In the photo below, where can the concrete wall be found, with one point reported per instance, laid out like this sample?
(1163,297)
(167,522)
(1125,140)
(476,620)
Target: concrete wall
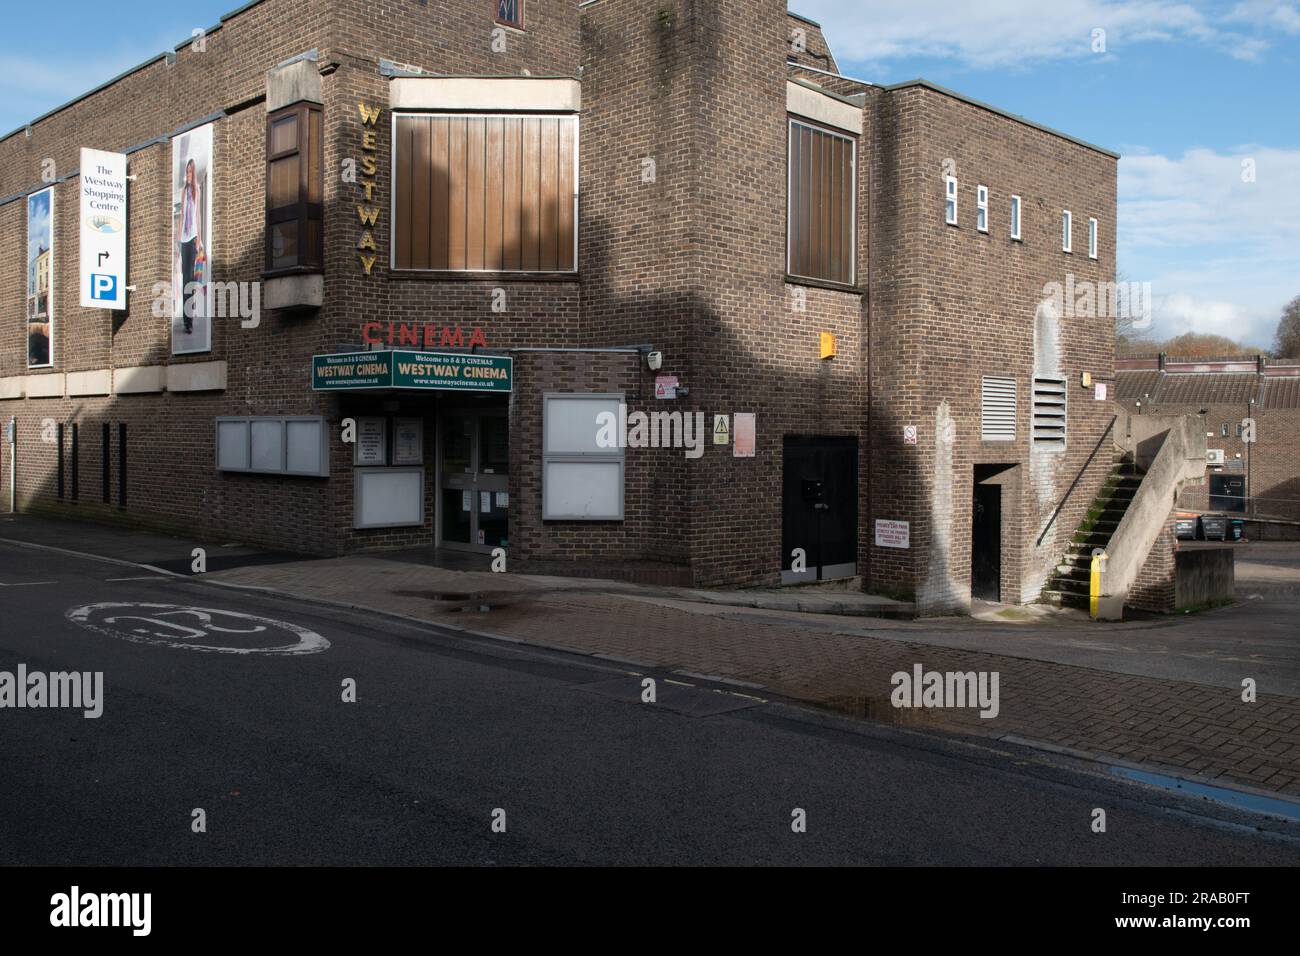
(1179,460)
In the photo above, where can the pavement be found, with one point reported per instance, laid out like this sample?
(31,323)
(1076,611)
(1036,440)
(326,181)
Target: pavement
(1164,693)
(218,747)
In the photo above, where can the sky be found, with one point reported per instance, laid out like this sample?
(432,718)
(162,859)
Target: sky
(1186,92)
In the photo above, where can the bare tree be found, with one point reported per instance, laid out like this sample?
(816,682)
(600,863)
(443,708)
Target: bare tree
(1286,341)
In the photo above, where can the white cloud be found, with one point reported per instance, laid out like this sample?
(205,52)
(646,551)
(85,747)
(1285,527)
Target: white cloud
(1001,33)
(1222,254)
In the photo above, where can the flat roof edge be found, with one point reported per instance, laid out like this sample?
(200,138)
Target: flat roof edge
(907,84)
(128,72)
(807,20)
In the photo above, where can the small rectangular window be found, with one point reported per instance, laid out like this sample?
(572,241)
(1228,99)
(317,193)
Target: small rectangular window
(511,13)
(982,208)
(950,205)
(1092,238)
(1224,431)
(1049,411)
(1015,217)
(1067,224)
(582,475)
(998,409)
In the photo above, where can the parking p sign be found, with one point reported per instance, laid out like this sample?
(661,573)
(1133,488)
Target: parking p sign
(103,230)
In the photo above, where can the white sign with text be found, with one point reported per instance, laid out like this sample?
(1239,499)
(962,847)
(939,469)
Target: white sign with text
(103,229)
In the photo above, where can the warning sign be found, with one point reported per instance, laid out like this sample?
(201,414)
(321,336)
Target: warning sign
(893,534)
(721,429)
(665,386)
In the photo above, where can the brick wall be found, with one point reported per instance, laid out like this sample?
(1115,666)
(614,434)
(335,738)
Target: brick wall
(950,305)
(690,261)
(1154,589)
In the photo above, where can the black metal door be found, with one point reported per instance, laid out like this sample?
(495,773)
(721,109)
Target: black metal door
(819,507)
(986,544)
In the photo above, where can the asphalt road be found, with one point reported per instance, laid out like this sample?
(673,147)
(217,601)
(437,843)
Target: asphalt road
(447,729)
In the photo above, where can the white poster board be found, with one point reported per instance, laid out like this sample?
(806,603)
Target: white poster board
(387,497)
(103,229)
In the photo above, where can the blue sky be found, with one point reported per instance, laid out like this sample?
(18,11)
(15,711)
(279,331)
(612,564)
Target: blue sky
(1184,90)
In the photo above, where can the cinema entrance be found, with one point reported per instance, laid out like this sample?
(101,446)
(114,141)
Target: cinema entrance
(473,473)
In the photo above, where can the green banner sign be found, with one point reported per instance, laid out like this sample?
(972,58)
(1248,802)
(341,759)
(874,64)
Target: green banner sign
(438,371)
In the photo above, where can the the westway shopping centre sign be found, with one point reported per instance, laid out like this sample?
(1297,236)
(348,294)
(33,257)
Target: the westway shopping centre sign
(457,371)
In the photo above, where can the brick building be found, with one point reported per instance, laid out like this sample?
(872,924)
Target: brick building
(473,227)
(1260,477)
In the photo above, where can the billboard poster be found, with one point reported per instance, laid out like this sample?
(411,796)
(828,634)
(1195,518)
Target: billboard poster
(192,241)
(103,229)
(40,279)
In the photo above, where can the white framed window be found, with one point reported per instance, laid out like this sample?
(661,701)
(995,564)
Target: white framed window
(982,208)
(997,409)
(582,456)
(273,445)
(1015,218)
(1092,238)
(950,203)
(1067,227)
(1049,412)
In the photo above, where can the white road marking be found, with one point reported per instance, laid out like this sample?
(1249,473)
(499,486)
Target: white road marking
(26,584)
(148,577)
(149,627)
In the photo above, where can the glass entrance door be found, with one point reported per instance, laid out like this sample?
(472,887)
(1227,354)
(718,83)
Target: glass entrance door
(473,476)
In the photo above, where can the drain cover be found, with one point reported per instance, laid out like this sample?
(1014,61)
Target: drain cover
(681,699)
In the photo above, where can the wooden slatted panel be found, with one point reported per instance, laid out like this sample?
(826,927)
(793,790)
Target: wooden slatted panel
(476,193)
(440,195)
(492,221)
(822,202)
(547,161)
(485,193)
(566,194)
(458,181)
(530,215)
(512,186)
(848,209)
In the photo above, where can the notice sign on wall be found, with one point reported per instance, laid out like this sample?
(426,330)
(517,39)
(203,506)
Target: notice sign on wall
(744,435)
(893,534)
(372,445)
(103,229)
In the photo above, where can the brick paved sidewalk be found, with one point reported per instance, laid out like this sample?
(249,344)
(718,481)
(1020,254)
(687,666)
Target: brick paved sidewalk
(1185,726)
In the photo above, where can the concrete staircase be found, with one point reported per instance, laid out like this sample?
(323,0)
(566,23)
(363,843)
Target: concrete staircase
(1069,584)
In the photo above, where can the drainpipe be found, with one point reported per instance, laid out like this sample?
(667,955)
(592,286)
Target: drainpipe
(13,435)
(1250,505)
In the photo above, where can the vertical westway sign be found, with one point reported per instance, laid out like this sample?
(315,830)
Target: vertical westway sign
(102,236)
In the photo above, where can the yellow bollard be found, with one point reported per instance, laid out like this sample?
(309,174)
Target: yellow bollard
(1094,583)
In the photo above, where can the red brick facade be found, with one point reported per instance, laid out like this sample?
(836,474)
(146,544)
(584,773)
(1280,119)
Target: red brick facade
(689,261)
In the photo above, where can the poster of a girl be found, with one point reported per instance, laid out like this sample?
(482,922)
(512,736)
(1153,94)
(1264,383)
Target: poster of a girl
(189,237)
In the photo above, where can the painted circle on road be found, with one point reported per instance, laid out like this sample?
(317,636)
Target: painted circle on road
(197,628)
